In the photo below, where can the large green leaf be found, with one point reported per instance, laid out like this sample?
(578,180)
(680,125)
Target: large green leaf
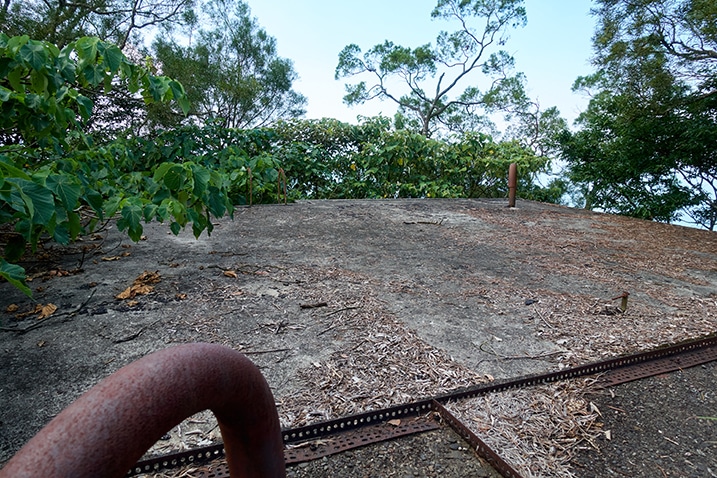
(74,224)
(179,94)
(15,43)
(217,203)
(34,54)
(11,170)
(67,69)
(5,94)
(66,188)
(85,106)
(131,220)
(15,275)
(158,87)
(39,82)
(61,234)
(94,74)
(95,201)
(15,78)
(113,58)
(86,49)
(161,170)
(39,201)
(202,176)
(175,178)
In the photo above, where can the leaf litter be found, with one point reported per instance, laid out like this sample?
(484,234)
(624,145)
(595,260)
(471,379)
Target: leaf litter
(382,362)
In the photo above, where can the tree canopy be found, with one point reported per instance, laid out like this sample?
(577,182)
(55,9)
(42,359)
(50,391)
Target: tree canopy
(431,75)
(231,71)
(648,138)
(114,21)
(227,63)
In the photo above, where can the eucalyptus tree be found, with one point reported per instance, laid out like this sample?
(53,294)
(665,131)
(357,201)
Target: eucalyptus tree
(230,68)
(116,21)
(648,143)
(431,76)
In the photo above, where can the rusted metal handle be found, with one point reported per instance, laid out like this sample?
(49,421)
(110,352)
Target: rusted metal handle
(110,427)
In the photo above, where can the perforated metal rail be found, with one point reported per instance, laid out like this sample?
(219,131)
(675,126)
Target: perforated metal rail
(371,427)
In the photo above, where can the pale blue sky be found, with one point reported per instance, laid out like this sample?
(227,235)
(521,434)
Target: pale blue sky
(552,50)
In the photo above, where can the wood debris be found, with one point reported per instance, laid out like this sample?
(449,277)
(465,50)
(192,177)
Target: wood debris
(537,430)
(381,362)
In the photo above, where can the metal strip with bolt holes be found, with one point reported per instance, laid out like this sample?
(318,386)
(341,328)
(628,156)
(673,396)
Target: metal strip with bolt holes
(480,447)
(318,448)
(615,371)
(658,366)
(339,442)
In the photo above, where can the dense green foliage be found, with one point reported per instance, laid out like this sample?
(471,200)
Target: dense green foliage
(648,138)
(328,159)
(227,63)
(48,168)
(430,75)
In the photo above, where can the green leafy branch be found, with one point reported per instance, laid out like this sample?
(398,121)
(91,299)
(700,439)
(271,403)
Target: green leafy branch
(43,186)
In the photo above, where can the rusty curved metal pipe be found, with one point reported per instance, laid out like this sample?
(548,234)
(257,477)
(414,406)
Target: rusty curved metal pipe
(110,427)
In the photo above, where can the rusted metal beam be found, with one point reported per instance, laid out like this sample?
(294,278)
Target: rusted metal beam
(110,427)
(478,445)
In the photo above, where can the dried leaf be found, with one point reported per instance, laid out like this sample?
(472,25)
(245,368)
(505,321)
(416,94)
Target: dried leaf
(395,422)
(47,310)
(180,296)
(12,308)
(147,277)
(142,289)
(125,294)
(141,286)
(231,274)
(111,258)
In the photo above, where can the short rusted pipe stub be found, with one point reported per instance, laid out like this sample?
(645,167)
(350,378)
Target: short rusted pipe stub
(512,184)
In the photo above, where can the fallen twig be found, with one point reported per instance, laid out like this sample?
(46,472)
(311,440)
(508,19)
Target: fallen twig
(341,310)
(134,335)
(42,322)
(518,357)
(537,310)
(327,330)
(257,352)
(432,223)
(314,306)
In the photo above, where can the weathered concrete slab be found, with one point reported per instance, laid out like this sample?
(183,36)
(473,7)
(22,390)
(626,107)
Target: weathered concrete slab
(504,292)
